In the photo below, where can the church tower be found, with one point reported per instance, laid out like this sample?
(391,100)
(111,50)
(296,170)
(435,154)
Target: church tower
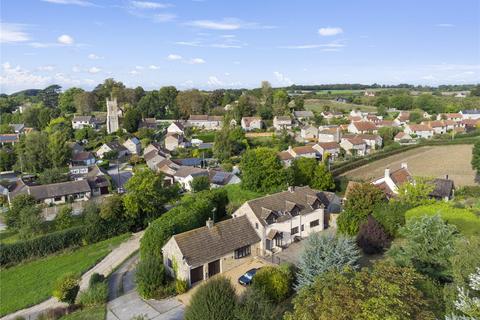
(112,115)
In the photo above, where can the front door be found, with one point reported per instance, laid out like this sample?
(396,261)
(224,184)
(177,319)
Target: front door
(213,268)
(196,274)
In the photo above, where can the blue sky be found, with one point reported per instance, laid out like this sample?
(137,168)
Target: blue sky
(210,43)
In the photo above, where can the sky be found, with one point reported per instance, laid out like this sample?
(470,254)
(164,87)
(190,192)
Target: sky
(211,44)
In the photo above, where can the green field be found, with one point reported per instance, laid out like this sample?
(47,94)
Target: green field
(465,220)
(318,104)
(30,283)
(94,313)
(237,196)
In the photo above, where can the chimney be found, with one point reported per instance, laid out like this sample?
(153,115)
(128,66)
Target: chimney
(387,173)
(209,223)
(446,177)
(291,189)
(404,165)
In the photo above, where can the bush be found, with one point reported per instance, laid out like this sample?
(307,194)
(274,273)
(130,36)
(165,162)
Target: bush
(372,238)
(96,278)
(214,300)
(96,295)
(200,183)
(150,276)
(391,216)
(273,282)
(181,286)
(253,305)
(66,288)
(13,253)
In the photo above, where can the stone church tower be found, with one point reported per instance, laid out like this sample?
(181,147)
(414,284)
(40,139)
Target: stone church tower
(112,115)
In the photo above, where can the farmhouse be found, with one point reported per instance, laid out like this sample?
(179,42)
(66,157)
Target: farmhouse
(282,123)
(391,181)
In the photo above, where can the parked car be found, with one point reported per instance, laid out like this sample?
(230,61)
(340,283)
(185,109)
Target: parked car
(247,277)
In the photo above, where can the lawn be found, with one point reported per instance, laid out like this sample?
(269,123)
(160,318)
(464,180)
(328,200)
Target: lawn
(237,196)
(465,220)
(8,236)
(318,104)
(94,313)
(205,136)
(32,282)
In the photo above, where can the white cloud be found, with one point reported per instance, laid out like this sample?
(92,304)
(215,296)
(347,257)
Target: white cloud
(315,46)
(134,72)
(282,79)
(65,39)
(429,77)
(445,25)
(139,67)
(19,78)
(45,68)
(213,81)
(76,69)
(148,5)
(153,67)
(164,17)
(81,3)
(189,43)
(196,61)
(94,70)
(226,24)
(93,56)
(329,31)
(11,33)
(174,57)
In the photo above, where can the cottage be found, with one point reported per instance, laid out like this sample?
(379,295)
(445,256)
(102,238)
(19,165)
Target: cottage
(386,123)
(438,127)
(443,189)
(302,152)
(286,158)
(133,146)
(282,123)
(112,147)
(205,122)
(373,141)
(176,127)
(251,123)
(221,179)
(309,133)
(330,148)
(419,130)
(354,146)
(201,253)
(332,134)
(17,128)
(185,175)
(402,137)
(303,115)
(173,141)
(403,118)
(450,116)
(96,178)
(362,127)
(82,158)
(392,180)
(80,122)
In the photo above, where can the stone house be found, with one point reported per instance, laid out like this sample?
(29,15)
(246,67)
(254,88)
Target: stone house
(282,123)
(354,146)
(309,133)
(80,122)
(251,123)
(133,146)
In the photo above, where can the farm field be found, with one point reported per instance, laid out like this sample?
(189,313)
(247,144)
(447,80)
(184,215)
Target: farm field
(317,105)
(430,161)
(32,282)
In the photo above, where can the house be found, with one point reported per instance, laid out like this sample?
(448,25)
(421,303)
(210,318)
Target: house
(303,115)
(309,133)
(470,124)
(9,138)
(402,137)
(373,141)
(354,146)
(55,193)
(330,148)
(110,147)
(286,158)
(403,118)
(368,93)
(185,175)
(329,115)
(332,134)
(470,114)
(221,179)
(173,141)
(450,116)
(281,218)
(176,127)
(133,146)
(149,123)
(443,189)
(438,127)
(392,180)
(76,147)
(205,122)
(190,162)
(96,178)
(201,253)
(251,123)
(169,168)
(17,128)
(154,154)
(282,123)
(386,123)
(82,158)
(374,118)
(362,127)
(419,130)
(80,122)
(302,152)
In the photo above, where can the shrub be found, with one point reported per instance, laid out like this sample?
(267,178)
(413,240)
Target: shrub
(96,278)
(181,286)
(214,300)
(66,288)
(64,219)
(96,295)
(391,216)
(372,238)
(273,282)
(150,276)
(254,305)
(200,183)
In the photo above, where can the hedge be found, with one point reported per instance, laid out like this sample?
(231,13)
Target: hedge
(355,163)
(13,253)
(190,213)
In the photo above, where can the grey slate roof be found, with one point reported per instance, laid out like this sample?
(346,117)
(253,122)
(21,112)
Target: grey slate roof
(443,188)
(47,191)
(82,119)
(303,114)
(205,244)
(185,171)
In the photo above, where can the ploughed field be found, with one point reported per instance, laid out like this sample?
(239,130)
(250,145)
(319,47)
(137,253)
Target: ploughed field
(430,161)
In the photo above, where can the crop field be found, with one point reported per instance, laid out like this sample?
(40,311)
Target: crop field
(431,161)
(318,104)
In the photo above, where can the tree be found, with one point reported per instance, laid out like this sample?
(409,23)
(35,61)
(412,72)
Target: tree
(273,282)
(7,159)
(84,102)
(64,218)
(30,223)
(262,170)
(31,152)
(401,102)
(428,245)
(66,101)
(280,103)
(468,304)
(200,183)
(325,252)
(190,102)
(229,141)
(214,300)
(132,120)
(415,117)
(416,193)
(150,105)
(58,149)
(303,170)
(476,157)
(20,202)
(147,195)
(49,96)
(52,175)
(246,106)
(253,305)
(391,216)
(387,134)
(66,288)
(299,103)
(372,238)
(322,178)
(360,203)
(475,91)
(385,291)
(150,277)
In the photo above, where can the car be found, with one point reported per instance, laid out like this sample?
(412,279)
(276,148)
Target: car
(247,277)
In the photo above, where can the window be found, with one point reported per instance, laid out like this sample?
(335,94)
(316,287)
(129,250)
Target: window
(256,225)
(302,227)
(169,263)
(242,252)
(314,223)
(294,230)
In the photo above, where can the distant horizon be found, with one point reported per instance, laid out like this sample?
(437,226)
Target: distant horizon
(208,44)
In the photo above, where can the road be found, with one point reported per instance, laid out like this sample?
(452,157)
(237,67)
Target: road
(119,175)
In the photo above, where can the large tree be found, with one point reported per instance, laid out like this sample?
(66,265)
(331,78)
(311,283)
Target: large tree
(32,152)
(229,141)
(132,119)
(190,102)
(84,102)
(150,105)
(280,102)
(58,149)
(66,101)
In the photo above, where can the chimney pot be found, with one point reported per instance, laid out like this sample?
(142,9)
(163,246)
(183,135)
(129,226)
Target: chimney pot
(387,172)
(291,188)
(404,165)
(210,223)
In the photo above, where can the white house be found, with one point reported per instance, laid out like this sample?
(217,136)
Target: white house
(330,135)
(362,127)
(112,146)
(309,133)
(173,141)
(470,114)
(420,130)
(176,127)
(392,180)
(205,122)
(133,146)
(186,174)
(354,146)
(332,148)
(402,137)
(303,115)
(282,122)
(80,122)
(251,123)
